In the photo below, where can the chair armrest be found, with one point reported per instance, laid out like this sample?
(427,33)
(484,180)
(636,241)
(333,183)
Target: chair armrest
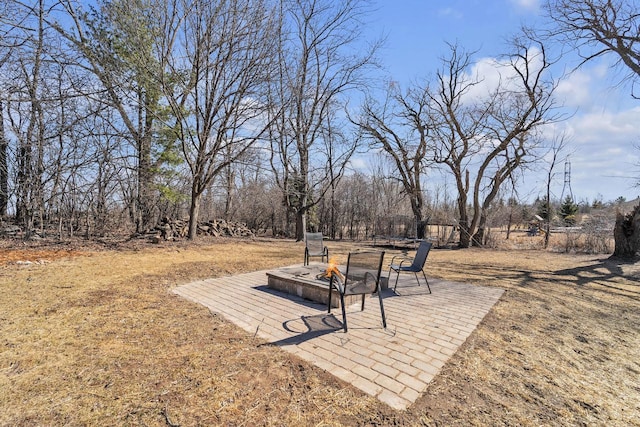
(409,260)
(402,259)
(336,283)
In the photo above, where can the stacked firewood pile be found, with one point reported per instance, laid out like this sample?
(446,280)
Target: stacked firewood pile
(170,229)
(9,230)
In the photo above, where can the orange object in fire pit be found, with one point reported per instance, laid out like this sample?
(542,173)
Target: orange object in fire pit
(332,268)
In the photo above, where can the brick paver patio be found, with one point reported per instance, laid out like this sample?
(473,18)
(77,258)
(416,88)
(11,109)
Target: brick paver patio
(395,364)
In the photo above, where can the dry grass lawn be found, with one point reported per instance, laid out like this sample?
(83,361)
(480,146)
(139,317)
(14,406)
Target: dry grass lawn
(95,337)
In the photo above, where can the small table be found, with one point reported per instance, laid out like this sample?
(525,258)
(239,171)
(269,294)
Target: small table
(304,282)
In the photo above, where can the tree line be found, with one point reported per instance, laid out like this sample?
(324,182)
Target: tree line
(118,113)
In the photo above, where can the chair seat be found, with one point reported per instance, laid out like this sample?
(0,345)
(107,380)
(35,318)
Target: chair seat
(316,253)
(359,289)
(410,268)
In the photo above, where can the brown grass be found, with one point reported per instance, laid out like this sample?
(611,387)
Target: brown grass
(95,337)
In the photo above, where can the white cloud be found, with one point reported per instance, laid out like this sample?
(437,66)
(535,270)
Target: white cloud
(488,71)
(602,130)
(607,128)
(358,163)
(494,73)
(574,91)
(589,89)
(528,5)
(450,12)
(604,156)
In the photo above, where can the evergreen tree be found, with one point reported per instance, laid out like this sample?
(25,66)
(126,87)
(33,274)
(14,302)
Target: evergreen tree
(568,211)
(543,208)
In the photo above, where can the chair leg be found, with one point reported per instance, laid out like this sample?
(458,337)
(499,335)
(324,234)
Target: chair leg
(384,318)
(344,312)
(417,279)
(426,281)
(362,308)
(397,275)
(329,302)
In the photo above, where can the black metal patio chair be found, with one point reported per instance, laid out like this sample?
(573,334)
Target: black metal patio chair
(362,277)
(416,264)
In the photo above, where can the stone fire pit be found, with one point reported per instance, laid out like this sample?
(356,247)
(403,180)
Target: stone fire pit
(304,282)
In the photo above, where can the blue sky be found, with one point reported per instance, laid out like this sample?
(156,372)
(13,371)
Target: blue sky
(605,122)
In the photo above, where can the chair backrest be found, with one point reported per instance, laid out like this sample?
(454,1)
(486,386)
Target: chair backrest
(363,271)
(314,243)
(421,255)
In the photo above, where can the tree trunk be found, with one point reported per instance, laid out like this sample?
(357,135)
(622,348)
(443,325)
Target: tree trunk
(463,222)
(23,176)
(332,226)
(144,220)
(301,224)
(547,220)
(229,178)
(194,212)
(627,234)
(509,222)
(421,226)
(4,167)
(478,237)
(465,236)
(481,234)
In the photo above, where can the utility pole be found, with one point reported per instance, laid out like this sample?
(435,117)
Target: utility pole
(567,180)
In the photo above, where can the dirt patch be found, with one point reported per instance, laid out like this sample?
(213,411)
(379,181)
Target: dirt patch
(30,256)
(93,336)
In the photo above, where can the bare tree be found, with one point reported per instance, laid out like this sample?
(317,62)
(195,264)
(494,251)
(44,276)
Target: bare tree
(482,136)
(217,61)
(558,144)
(599,27)
(42,109)
(26,112)
(319,64)
(255,199)
(6,46)
(489,135)
(596,28)
(401,127)
(4,165)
